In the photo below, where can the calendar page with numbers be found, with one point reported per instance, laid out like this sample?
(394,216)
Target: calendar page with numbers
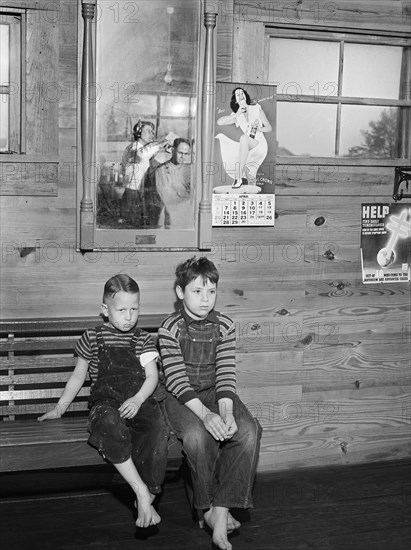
(243,210)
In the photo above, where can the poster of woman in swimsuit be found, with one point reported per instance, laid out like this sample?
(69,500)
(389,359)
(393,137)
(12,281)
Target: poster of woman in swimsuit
(245,144)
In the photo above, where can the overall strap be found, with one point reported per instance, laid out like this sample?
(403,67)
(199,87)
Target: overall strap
(134,339)
(99,336)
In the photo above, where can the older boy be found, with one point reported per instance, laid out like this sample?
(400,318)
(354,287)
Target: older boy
(219,435)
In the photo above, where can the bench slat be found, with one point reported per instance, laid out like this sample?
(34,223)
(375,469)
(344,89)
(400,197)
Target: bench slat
(32,445)
(47,456)
(61,325)
(46,362)
(38,378)
(48,393)
(36,345)
(32,432)
(39,408)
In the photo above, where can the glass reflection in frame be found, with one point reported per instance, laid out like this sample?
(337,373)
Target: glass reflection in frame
(146,75)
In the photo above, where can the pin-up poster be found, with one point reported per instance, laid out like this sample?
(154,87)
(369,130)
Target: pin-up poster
(244,155)
(245,143)
(386,243)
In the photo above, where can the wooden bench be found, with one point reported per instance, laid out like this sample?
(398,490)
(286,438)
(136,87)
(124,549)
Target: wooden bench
(36,359)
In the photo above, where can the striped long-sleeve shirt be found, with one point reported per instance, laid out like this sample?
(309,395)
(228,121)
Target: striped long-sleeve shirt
(182,378)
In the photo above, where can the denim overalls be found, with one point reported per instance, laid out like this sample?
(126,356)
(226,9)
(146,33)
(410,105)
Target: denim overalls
(144,437)
(198,342)
(222,473)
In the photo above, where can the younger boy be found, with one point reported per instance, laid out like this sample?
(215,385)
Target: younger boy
(126,424)
(220,437)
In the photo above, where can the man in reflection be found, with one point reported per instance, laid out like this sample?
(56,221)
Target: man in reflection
(173,187)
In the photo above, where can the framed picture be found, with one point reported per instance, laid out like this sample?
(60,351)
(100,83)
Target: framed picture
(145,65)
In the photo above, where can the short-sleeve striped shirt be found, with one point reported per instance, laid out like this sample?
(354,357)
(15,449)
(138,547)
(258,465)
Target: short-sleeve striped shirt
(87,346)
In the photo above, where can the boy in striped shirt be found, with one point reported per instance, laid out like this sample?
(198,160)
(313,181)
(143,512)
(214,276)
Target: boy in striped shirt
(220,437)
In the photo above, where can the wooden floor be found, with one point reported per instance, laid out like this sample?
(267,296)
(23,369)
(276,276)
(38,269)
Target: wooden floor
(342,507)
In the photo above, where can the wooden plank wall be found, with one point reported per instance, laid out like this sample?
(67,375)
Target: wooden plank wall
(323,361)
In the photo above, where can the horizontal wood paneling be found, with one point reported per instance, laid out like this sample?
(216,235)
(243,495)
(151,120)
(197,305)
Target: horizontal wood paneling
(323,179)
(356,364)
(392,15)
(28,178)
(301,451)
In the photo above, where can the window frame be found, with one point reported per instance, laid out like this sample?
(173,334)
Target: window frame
(34,170)
(342,37)
(90,237)
(16,132)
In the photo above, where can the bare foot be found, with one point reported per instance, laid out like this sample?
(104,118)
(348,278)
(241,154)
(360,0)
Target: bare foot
(217,519)
(155,518)
(232,523)
(147,515)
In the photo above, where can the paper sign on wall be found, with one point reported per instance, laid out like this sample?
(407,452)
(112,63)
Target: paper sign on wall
(386,243)
(243,210)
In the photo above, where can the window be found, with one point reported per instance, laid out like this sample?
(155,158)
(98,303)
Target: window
(10,83)
(168,112)
(30,94)
(341,95)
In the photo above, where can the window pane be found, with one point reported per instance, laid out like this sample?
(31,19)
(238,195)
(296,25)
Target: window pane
(306,129)
(176,126)
(115,122)
(144,105)
(193,107)
(4,126)
(4,54)
(368,131)
(307,67)
(174,106)
(371,71)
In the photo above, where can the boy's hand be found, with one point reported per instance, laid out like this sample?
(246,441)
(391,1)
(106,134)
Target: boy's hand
(214,424)
(51,415)
(131,406)
(230,424)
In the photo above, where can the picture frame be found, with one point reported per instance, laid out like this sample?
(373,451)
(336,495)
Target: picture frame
(146,125)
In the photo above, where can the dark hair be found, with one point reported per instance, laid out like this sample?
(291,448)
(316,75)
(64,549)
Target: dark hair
(118,283)
(196,267)
(177,142)
(138,128)
(233,103)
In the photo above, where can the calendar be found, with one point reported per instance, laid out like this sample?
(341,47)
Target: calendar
(242,210)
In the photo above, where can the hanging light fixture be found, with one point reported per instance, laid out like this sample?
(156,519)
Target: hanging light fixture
(168,79)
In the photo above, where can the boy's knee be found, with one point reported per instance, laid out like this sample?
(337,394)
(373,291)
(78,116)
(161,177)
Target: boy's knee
(250,430)
(195,440)
(109,417)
